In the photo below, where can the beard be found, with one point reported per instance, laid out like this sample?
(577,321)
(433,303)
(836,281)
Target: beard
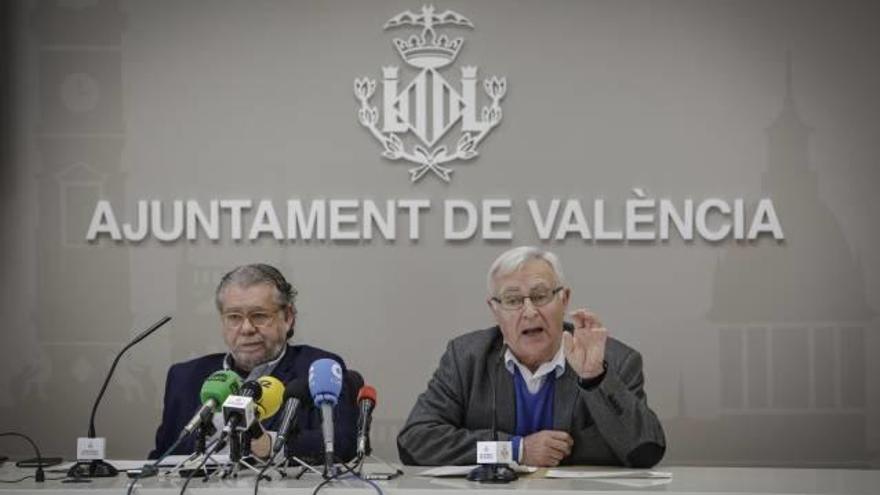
(248,360)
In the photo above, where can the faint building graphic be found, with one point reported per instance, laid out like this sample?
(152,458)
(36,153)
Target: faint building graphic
(80,188)
(35,379)
(196,313)
(792,320)
(83,314)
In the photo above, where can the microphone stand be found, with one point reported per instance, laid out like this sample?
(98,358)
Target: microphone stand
(205,456)
(305,467)
(240,453)
(494,473)
(204,431)
(327,427)
(368,454)
(285,435)
(273,462)
(235,444)
(99,468)
(244,460)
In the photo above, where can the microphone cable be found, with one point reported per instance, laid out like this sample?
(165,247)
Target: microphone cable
(153,469)
(39,476)
(214,448)
(262,474)
(351,474)
(269,463)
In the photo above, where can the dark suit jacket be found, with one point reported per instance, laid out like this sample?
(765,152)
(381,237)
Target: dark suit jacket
(609,422)
(185,380)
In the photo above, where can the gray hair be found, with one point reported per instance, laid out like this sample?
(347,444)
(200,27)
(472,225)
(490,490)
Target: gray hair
(514,259)
(259,273)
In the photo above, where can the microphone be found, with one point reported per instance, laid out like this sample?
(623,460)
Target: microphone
(325,383)
(93,447)
(353,381)
(216,388)
(257,400)
(296,395)
(494,472)
(272,395)
(495,393)
(366,400)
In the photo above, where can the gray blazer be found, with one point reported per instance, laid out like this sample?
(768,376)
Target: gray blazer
(610,422)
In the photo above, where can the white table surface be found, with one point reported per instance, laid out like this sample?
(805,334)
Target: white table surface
(684,481)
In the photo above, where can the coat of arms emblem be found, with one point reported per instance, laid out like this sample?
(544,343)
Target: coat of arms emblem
(425,110)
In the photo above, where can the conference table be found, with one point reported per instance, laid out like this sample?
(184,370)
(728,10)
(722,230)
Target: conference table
(683,481)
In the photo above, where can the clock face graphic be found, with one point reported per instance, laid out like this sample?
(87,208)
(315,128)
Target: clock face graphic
(79,92)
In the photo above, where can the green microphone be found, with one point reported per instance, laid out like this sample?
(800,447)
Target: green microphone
(216,388)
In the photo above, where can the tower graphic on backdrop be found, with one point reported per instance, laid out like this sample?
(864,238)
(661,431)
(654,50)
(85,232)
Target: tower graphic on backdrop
(792,322)
(83,314)
(417,115)
(196,310)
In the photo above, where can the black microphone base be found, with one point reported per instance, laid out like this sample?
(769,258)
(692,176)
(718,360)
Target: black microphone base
(492,473)
(98,468)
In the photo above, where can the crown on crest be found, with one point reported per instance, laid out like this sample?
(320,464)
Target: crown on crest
(423,53)
(428,50)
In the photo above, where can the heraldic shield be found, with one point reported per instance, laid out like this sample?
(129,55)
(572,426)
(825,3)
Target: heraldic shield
(427,108)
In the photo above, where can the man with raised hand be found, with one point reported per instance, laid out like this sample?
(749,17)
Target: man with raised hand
(564,393)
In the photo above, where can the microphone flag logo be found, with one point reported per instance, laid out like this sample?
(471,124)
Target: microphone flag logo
(428,107)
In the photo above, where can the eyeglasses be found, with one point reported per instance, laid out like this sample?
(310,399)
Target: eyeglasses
(260,319)
(539,297)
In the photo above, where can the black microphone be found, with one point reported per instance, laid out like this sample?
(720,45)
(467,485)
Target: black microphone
(296,395)
(494,473)
(495,393)
(146,333)
(354,381)
(98,467)
(366,400)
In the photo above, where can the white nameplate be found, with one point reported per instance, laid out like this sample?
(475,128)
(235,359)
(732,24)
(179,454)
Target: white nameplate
(89,449)
(494,453)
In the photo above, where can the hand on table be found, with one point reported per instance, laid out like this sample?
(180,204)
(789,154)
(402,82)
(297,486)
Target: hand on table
(546,448)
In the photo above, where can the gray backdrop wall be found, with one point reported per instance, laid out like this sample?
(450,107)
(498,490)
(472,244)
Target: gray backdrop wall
(755,352)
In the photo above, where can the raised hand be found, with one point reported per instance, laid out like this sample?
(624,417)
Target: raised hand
(585,347)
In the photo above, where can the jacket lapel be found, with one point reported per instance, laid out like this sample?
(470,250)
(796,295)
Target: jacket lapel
(566,394)
(505,396)
(284,369)
(285,372)
(506,406)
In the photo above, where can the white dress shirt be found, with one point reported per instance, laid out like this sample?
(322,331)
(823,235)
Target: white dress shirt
(536,379)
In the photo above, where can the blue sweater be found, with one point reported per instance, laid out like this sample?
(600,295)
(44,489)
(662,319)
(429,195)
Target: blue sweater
(534,412)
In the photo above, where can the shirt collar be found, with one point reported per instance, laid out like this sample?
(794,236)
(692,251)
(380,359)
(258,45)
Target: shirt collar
(259,370)
(555,365)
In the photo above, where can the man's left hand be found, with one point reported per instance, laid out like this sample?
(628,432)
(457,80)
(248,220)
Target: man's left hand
(585,348)
(261,447)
